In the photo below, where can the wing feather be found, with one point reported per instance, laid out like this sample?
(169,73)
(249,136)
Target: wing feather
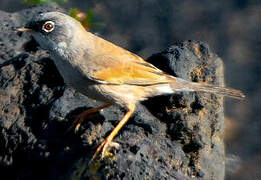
(111,64)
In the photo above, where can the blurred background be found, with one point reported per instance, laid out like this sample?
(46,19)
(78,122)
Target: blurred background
(231,28)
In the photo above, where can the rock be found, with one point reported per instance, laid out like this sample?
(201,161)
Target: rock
(169,137)
(194,120)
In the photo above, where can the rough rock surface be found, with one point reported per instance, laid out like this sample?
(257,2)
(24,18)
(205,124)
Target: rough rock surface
(169,137)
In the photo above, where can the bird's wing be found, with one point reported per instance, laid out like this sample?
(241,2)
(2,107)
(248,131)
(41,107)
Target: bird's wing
(134,73)
(111,64)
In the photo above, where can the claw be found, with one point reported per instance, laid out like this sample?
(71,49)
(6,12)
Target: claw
(77,127)
(80,118)
(107,143)
(104,147)
(77,123)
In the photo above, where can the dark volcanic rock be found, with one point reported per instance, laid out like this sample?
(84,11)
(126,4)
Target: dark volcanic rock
(194,120)
(178,137)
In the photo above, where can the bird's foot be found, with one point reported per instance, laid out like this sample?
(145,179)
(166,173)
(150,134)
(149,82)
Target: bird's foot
(80,118)
(78,121)
(104,148)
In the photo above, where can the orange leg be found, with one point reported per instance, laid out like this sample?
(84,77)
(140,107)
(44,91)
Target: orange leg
(108,141)
(80,118)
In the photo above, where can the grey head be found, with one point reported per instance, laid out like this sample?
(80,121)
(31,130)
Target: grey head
(52,29)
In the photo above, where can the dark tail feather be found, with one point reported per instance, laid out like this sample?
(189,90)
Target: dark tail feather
(234,93)
(183,85)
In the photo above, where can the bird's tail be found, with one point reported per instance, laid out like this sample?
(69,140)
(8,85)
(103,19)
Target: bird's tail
(183,85)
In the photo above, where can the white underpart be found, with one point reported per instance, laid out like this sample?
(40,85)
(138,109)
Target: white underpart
(165,89)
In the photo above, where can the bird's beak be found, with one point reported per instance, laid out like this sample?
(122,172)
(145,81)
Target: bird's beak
(23,29)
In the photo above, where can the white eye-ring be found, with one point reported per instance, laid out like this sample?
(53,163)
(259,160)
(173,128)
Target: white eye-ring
(48,26)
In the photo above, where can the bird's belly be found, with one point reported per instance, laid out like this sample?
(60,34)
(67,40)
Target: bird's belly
(78,81)
(92,91)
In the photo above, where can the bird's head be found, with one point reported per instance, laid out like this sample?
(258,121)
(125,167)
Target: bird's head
(53,28)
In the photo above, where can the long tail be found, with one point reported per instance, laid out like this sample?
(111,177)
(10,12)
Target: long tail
(183,85)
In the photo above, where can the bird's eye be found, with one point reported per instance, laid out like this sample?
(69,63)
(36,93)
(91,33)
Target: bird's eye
(48,26)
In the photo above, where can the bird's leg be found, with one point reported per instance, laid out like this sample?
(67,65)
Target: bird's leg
(103,147)
(80,118)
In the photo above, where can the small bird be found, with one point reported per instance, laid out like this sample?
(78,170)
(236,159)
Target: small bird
(105,72)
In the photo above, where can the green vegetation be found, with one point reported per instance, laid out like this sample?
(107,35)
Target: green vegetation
(34,2)
(86,18)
